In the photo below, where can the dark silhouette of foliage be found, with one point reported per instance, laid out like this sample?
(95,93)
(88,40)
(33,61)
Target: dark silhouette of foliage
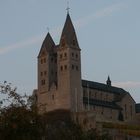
(19,120)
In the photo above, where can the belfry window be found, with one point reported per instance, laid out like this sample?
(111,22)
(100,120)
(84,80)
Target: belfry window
(65,67)
(52,59)
(65,54)
(52,97)
(52,72)
(43,82)
(61,56)
(76,55)
(72,54)
(44,60)
(61,68)
(45,72)
(41,61)
(74,42)
(41,73)
(72,67)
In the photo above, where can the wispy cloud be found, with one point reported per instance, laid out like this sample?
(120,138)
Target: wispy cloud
(55,32)
(127,84)
(25,43)
(28,42)
(108,11)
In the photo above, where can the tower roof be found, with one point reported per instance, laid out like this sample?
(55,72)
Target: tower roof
(108,82)
(68,32)
(47,44)
(108,79)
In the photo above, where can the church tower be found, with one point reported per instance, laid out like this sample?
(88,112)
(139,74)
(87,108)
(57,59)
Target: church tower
(47,72)
(59,72)
(47,65)
(69,68)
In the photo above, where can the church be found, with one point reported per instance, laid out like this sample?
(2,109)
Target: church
(60,85)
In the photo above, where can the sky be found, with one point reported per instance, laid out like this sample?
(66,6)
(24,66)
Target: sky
(108,33)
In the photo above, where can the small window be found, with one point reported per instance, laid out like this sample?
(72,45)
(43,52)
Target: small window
(72,54)
(76,55)
(74,42)
(51,59)
(102,112)
(41,61)
(43,53)
(65,54)
(42,82)
(61,56)
(41,73)
(90,95)
(52,97)
(65,67)
(55,60)
(77,68)
(44,60)
(106,97)
(95,94)
(45,72)
(84,93)
(101,95)
(72,66)
(61,68)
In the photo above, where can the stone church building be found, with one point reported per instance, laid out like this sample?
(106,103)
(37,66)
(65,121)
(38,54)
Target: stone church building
(60,85)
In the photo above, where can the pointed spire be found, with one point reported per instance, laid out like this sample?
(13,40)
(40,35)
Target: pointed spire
(68,8)
(48,44)
(108,82)
(68,33)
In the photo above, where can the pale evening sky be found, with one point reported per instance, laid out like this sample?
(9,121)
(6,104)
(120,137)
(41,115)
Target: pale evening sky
(108,33)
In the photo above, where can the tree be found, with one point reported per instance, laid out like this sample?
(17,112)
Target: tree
(19,120)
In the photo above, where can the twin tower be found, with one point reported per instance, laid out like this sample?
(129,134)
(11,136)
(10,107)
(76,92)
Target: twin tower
(59,72)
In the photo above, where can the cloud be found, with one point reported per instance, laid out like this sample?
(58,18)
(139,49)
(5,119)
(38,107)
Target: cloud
(127,84)
(21,44)
(56,31)
(99,14)
(29,42)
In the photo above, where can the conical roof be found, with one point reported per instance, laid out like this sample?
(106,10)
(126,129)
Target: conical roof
(48,44)
(108,82)
(68,33)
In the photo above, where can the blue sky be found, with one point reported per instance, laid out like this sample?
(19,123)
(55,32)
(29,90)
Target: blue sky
(108,33)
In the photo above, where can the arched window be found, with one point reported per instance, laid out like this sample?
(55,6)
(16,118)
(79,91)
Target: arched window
(74,42)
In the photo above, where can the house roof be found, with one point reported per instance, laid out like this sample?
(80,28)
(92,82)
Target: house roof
(96,102)
(103,87)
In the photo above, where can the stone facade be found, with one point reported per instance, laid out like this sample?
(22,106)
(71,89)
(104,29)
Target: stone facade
(60,85)
(59,72)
